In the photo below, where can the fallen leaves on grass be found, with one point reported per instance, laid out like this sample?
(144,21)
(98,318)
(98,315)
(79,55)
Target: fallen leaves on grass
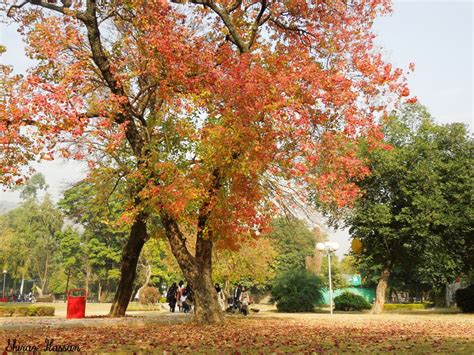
(261,335)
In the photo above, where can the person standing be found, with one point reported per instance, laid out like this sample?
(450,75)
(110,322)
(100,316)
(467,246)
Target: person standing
(171,296)
(236,295)
(220,296)
(179,295)
(187,299)
(245,301)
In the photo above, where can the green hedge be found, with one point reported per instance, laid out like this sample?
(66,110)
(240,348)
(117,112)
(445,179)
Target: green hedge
(403,306)
(348,301)
(26,311)
(465,299)
(297,291)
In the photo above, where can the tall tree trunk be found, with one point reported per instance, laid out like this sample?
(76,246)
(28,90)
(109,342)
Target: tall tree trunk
(148,273)
(197,271)
(226,288)
(130,255)
(206,304)
(45,277)
(22,283)
(67,281)
(380,292)
(99,291)
(88,275)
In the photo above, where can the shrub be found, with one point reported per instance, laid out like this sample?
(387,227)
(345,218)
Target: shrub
(403,306)
(350,302)
(42,311)
(26,311)
(297,291)
(465,299)
(46,299)
(149,295)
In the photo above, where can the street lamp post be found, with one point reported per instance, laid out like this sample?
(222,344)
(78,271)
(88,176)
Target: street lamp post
(328,247)
(4,279)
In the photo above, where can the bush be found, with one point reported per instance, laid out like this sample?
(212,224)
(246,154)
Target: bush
(149,295)
(350,302)
(46,299)
(297,291)
(465,299)
(403,306)
(26,311)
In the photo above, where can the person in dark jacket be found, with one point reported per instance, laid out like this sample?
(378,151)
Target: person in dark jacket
(187,299)
(236,296)
(171,296)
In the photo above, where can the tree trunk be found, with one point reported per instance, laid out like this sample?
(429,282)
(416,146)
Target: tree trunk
(45,277)
(197,271)
(130,255)
(99,291)
(226,289)
(22,283)
(88,275)
(380,292)
(67,281)
(148,273)
(206,304)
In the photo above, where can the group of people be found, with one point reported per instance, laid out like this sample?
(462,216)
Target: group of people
(20,297)
(180,295)
(239,300)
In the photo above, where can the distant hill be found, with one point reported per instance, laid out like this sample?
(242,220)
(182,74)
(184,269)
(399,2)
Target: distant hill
(6,206)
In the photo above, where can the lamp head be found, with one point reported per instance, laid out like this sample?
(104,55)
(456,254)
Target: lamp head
(4,271)
(333,246)
(320,246)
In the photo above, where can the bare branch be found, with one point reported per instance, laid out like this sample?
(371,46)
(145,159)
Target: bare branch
(234,6)
(50,6)
(9,14)
(257,24)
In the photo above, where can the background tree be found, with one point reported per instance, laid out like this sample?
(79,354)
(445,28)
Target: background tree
(337,276)
(30,189)
(207,121)
(35,226)
(250,265)
(97,211)
(293,242)
(416,212)
(72,253)
(97,208)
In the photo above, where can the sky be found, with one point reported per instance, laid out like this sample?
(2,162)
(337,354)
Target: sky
(435,35)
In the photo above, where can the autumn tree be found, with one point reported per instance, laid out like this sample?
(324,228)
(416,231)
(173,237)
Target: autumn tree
(210,112)
(250,264)
(415,218)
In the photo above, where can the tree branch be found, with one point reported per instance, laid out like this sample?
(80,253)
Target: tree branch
(223,13)
(234,6)
(46,5)
(257,24)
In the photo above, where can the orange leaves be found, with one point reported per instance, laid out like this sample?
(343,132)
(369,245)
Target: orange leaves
(292,109)
(260,333)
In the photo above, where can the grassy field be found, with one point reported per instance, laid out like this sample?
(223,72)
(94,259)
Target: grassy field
(263,332)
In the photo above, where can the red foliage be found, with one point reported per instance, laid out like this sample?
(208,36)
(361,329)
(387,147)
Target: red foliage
(227,123)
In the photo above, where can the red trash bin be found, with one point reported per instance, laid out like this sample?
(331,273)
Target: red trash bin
(76,303)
